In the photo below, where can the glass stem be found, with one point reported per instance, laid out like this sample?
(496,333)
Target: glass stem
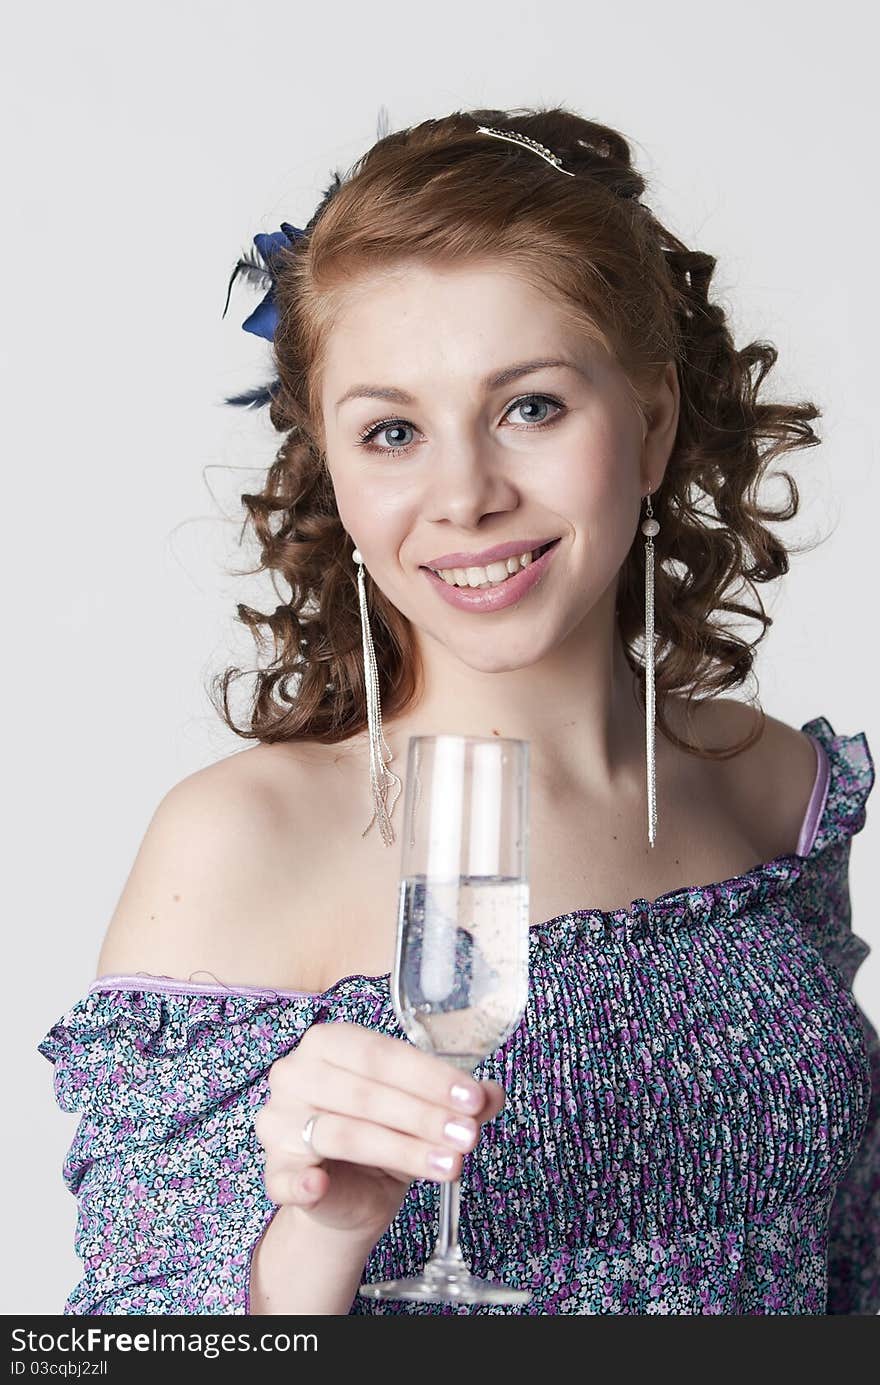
(447,1235)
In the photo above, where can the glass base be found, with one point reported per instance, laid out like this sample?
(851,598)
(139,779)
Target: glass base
(445,1281)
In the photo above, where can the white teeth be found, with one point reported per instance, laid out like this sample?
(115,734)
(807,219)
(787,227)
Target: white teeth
(489,576)
(498,572)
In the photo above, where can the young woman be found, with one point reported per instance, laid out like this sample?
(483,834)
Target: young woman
(494,365)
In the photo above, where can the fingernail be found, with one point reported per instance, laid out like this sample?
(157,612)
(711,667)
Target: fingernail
(441,1162)
(467,1098)
(461,1133)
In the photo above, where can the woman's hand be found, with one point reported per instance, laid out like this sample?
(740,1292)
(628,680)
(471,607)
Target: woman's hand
(383,1109)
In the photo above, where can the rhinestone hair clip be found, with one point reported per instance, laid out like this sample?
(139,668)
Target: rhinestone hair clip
(527,143)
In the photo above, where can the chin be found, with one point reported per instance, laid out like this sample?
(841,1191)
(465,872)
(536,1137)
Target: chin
(498,660)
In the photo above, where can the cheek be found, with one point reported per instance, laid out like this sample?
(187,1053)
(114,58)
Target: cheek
(379,518)
(598,496)
(598,463)
(606,486)
(601,504)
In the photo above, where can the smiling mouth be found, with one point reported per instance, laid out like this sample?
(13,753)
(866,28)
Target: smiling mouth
(464,568)
(489,597)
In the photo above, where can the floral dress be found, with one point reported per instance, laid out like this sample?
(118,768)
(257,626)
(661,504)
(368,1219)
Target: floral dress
(691,1122)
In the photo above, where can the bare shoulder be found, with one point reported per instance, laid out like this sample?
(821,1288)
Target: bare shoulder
(214,845)
(769,784)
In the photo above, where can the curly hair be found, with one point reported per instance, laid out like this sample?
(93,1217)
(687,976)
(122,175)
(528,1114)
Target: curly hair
(439,192)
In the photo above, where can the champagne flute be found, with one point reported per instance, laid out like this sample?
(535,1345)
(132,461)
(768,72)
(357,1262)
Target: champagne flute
(461,970)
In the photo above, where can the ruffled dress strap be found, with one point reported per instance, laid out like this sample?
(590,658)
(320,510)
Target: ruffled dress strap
(822,889)
(821,900)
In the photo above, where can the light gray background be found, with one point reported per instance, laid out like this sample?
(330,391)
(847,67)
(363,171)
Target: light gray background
(144,146)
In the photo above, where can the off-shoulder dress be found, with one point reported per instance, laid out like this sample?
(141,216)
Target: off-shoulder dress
(692,1121)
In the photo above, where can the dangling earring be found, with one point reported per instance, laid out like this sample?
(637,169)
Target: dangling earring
(381,777)
(650,527)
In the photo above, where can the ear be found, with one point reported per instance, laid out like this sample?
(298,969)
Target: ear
(660,427)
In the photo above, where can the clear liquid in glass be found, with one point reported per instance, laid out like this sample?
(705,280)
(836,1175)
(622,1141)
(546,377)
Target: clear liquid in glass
(463,972)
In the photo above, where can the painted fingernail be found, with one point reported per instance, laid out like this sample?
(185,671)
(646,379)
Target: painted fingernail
(467,1098)
(461,1133)
(441,1162)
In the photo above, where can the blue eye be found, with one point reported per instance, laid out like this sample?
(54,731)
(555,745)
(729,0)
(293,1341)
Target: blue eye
(365,438)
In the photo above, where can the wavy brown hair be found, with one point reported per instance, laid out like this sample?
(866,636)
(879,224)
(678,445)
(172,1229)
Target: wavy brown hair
(440,193)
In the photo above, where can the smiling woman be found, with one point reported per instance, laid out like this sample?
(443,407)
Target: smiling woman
(484,369)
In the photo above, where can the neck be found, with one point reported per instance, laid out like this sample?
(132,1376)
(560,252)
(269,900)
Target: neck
(577,706)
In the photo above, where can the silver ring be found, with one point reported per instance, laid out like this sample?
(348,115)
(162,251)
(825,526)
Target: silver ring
(307,1132)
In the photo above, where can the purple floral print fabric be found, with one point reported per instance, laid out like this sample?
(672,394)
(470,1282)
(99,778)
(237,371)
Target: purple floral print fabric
(691,1123)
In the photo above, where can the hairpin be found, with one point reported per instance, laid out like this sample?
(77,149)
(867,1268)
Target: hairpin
(527,143)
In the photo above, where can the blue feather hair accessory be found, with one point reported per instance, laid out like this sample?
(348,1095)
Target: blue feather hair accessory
(258,268)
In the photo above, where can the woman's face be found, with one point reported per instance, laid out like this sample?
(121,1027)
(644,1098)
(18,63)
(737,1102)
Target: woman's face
(556,452)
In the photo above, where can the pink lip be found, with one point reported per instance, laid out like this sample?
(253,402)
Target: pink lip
(489,555)
(494,598)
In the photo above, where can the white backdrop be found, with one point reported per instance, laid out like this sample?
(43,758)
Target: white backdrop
(145,145)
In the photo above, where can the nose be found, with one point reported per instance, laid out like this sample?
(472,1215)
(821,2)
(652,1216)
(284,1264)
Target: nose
(466,482)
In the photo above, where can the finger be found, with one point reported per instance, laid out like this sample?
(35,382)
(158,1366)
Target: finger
(306,1188)
(280,1134)
(313,1183)
(384,1058)
(339,1091)
(496,1097)
(378,1146)
(302,1187)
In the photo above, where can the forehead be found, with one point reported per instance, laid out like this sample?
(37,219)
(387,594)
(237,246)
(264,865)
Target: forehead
(416,320)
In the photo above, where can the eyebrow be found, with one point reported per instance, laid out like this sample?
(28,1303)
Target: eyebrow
(490,382)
